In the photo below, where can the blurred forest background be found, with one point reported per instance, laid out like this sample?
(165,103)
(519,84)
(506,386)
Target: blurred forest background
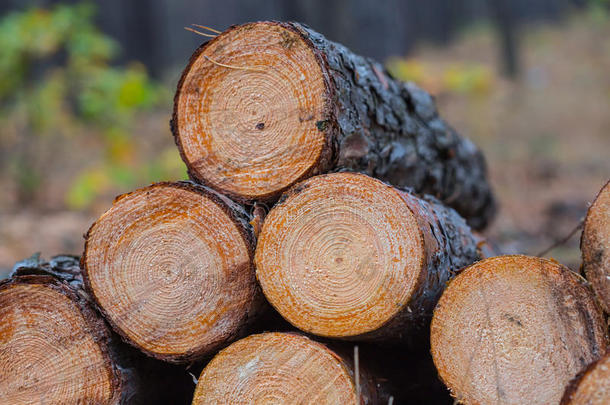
(86,93)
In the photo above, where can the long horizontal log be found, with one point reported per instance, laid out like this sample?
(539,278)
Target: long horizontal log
(515,330)
(170,267)
(283,368)
(267,104)
(595,246)
(344,255)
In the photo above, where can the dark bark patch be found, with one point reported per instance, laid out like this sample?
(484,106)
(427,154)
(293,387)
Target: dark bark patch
(288,40)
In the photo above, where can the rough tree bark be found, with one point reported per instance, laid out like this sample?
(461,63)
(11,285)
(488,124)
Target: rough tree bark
(595,246)
(347,256)
(285,368)
(591,386)
(264,105)
(55,348)
(515,329)
(170,267)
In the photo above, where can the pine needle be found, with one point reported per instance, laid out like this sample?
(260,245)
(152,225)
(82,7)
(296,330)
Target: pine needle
(253,69)
(207,28)
(199,33)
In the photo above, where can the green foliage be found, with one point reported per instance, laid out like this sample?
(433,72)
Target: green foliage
(599,11)
(470,79)
(57,82)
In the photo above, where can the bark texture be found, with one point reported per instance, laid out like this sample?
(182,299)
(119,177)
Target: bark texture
(449,246)
(370,122)
(595,246)
(391,130)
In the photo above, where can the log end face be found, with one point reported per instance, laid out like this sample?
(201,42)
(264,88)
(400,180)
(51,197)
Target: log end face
(515,329)
(591,386)
(251,112)
(49,351)
(171,269)
(281,368)
(341,255)
(595,247)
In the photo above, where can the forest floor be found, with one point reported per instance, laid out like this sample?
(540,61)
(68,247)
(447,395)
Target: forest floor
(546,137)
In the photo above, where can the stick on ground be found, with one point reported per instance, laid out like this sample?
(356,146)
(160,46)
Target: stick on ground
(515,329)
(265,105)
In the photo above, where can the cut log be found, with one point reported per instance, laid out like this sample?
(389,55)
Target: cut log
(170,266)
(344,255)
(595,246)
(282,368)
(264,105)
(54,348)
(591,386)
(515,330)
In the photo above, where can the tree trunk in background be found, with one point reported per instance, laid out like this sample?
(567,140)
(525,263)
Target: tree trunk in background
(508,36)
(155,35)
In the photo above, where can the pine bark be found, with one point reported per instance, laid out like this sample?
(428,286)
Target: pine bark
(450,246)
(392,130)
(367,121)
(595,246)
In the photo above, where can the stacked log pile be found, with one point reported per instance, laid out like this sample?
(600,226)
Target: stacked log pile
(330,208)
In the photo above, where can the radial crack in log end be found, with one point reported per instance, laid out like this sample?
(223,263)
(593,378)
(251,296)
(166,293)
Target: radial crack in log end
(348,256)
(515,330)
(170,266)
(281,103)
(283,368)
(595,246)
